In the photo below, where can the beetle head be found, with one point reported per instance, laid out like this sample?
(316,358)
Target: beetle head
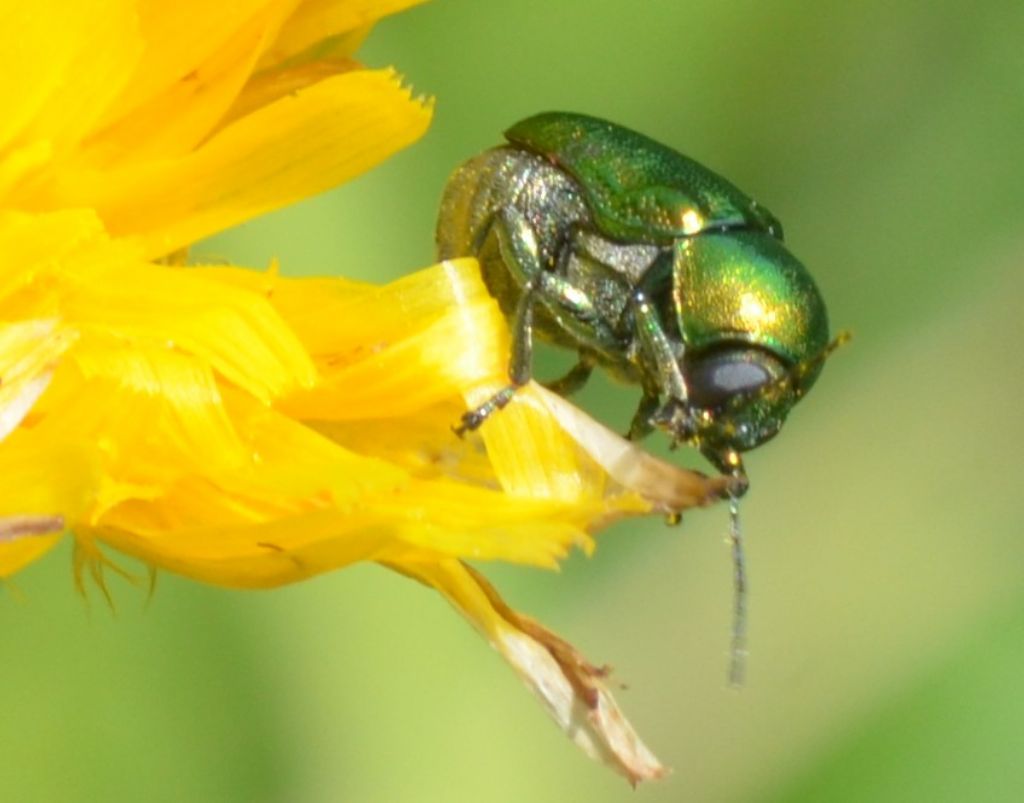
(739,397)
(755,333)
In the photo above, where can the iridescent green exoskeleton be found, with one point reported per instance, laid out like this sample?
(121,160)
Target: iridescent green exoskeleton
(644,262)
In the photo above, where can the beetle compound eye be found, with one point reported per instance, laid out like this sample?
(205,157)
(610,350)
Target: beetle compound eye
(714,379)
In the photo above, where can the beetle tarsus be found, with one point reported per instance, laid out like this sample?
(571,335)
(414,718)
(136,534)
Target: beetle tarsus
(474,419)
(676,418)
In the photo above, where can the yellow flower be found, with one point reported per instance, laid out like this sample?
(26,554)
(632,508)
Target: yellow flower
(237,427)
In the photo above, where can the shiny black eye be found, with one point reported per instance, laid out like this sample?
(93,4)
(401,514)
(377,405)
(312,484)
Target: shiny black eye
(712,379)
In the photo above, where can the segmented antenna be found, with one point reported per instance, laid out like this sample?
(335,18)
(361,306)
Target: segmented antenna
(738,651)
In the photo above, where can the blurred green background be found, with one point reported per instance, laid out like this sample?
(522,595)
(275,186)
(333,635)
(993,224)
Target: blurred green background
(884,525)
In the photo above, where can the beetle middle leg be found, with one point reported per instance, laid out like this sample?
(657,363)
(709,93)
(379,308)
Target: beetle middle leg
(518,369)
(520,253)
(575,379)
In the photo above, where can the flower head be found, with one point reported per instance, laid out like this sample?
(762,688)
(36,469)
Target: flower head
(241,428)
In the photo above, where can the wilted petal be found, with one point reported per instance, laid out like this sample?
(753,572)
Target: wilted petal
(14,527)
(571,689)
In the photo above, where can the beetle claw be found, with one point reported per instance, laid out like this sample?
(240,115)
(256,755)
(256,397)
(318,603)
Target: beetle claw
(474,419)
(676,418)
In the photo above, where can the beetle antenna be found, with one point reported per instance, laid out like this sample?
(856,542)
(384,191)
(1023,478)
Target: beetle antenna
(738,650)
(811,364)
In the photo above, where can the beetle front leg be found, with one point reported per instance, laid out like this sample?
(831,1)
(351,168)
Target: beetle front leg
(641,426)
(674,414)
(657,348)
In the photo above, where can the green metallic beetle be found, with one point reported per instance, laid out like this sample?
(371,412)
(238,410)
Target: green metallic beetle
(604,241)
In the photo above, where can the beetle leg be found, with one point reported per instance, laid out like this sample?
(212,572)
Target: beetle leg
(571,307)
(675,415)
(657,348)
(518,368)
(574,380)
(474,418)
(520,253)
(521,358)
(641,425)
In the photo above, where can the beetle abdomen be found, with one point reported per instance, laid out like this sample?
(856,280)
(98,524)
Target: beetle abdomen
(502,177)
(475,195)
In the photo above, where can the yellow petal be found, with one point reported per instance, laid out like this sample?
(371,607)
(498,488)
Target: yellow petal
(28,354)
(15,555)
(47,480)
(31,245)
(179,37)
(236,332)
(21,163)
(268,86)
(274,156)
(175,120)
(317,20)
(63,63)
(378,365)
